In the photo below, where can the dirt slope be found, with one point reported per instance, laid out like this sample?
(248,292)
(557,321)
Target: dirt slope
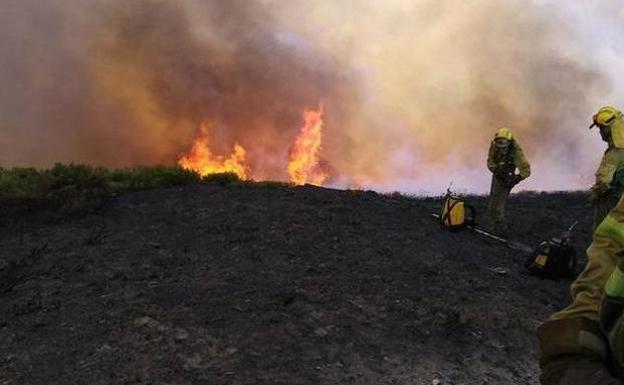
(273,285)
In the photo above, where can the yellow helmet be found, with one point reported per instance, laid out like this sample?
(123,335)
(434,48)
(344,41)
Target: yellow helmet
(605,116)
(611,122)
(503,133)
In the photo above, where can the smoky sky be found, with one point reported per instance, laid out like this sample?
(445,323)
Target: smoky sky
(124,83)
(413,90)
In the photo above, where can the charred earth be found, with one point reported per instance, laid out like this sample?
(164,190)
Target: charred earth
(270,284)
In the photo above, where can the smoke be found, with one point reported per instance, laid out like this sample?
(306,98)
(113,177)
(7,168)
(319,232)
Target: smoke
(124,83)
(413,89)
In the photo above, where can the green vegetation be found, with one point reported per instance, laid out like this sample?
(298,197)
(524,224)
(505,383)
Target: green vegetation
(224,178)
(71,188)
(140,178)
(30,183)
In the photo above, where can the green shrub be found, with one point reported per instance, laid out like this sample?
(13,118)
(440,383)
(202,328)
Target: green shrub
(144,177)
(223,178)
(78,176)
(76,188)
(23,183)
(30,183)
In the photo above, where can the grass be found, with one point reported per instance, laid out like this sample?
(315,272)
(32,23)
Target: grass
(72,188)
(31,183)
(222,178)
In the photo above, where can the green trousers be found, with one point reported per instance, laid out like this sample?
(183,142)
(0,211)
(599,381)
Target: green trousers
(573,331)
(496,206)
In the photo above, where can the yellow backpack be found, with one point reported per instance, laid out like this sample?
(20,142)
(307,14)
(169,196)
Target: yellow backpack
(454,216)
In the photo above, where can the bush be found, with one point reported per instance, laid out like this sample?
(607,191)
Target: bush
(22,183)
(77,176)
(75,188)
(223,178)
(151,177)
(28,183)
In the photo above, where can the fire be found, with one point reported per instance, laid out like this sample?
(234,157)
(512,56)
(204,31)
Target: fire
(303,165)
(200,159)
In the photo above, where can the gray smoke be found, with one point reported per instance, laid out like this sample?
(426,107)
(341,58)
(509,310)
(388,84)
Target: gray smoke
(413,89)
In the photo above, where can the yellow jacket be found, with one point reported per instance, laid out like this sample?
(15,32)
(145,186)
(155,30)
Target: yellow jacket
(610,173)
(575,331)
(510,160)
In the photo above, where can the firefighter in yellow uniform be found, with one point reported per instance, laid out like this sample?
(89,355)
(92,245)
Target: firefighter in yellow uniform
(610,174)
(583,344)
(504,158)
(575,349)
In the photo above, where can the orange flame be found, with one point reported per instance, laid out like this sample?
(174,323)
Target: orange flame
(303,165)
(200,159)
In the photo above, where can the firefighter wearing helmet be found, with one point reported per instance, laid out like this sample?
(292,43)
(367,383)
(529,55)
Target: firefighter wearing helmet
(606,192)
(509,166)
(584,343)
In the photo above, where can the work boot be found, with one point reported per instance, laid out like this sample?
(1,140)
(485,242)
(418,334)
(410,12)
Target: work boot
(582,370)
(573,351)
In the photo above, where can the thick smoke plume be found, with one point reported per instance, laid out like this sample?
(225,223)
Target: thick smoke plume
(413,89)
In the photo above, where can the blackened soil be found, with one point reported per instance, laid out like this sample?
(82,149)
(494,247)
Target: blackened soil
(274,285)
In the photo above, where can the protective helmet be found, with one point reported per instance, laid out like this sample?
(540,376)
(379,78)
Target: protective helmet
(611,123)
(605,116)
(503,133)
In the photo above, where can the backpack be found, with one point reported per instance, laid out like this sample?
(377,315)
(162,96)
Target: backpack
(553,259)
(453,216)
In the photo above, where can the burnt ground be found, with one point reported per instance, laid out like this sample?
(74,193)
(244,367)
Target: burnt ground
(208,284)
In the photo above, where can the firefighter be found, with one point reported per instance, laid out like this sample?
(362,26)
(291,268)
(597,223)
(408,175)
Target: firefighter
(584,343)
(609,186)
(504,158)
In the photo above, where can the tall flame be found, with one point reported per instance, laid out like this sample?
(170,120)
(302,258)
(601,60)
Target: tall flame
(303,165)
(199,158)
